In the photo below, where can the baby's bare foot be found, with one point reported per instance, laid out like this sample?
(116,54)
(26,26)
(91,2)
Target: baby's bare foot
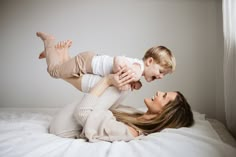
(64,44)
(42,55)
(45,36)
(62,49)
(48,40)
(59,46)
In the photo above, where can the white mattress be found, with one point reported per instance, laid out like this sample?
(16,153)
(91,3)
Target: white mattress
(25,134)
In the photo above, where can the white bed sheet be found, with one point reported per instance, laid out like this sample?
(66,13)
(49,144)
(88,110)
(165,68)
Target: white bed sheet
(25,134)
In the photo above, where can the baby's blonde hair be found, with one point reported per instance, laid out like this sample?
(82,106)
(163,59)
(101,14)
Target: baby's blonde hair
(162,56)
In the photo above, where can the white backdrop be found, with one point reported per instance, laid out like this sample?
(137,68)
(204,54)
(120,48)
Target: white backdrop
(192,29)
(229,18)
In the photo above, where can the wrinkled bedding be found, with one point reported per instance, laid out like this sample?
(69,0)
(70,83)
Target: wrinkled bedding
(25,134)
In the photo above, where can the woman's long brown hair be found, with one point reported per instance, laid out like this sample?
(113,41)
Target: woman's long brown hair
(175,114)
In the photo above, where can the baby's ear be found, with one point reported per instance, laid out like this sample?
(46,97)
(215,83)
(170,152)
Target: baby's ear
(149,60)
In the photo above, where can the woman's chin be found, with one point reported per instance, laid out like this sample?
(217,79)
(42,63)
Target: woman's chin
(146,100)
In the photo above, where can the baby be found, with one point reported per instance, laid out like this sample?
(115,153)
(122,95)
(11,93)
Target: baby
(155,64)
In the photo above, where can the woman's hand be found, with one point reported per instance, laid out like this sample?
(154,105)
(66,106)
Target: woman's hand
(121,78)
(112,79)
(127,74)
(125,87)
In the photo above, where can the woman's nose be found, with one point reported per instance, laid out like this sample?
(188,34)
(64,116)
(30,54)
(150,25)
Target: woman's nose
(159,93)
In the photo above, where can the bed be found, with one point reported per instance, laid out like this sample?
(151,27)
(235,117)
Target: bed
(24,133)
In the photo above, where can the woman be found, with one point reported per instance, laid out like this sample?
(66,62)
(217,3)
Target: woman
(165,110)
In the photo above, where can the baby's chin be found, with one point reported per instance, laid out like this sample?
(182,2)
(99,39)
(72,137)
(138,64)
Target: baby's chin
(148,79)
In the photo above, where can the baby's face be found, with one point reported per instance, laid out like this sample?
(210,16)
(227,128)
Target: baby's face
(154,71)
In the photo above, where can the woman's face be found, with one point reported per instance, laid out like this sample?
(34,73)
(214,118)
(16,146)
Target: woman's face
(158,101)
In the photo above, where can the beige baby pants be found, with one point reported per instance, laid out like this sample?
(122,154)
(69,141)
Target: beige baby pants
(76,66)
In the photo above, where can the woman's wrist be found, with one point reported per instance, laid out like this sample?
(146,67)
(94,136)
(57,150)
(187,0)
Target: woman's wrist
(110,79)
(113,80)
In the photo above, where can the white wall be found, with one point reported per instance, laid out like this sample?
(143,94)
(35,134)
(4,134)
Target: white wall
(192,29)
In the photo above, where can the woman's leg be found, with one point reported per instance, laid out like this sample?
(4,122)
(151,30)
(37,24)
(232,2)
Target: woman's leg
(64,123)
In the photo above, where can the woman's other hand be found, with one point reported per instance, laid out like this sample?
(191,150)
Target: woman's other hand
(121,78)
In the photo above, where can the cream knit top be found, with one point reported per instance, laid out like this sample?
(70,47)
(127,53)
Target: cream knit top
(99,124)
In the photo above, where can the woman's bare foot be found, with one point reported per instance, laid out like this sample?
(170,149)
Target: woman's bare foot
(60,45)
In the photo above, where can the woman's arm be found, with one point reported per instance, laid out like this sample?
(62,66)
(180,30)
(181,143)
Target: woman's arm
(88,102)
(111,79)
(101,86)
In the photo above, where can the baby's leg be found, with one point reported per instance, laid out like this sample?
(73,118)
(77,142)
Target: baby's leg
(73,67)
(60,65)
(52,58)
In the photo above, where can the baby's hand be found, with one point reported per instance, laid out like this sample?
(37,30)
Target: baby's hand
(136,85)
(125,87)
